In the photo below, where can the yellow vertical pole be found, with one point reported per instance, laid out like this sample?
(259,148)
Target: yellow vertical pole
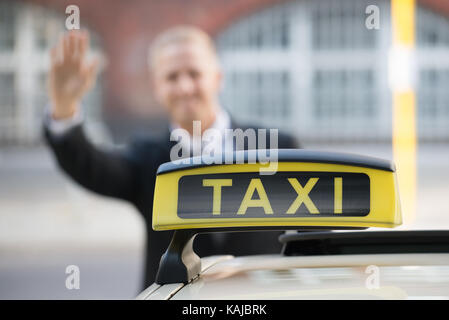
(404,122)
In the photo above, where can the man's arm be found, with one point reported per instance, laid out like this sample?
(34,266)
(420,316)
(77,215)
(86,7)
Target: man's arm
(110,173)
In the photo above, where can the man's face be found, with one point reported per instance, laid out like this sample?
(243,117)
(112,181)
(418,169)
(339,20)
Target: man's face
(186,81)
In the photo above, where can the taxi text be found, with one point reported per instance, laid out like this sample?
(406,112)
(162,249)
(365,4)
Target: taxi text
(255,185)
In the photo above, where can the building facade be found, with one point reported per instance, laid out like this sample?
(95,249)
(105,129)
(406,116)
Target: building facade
(27,31)
(312,68)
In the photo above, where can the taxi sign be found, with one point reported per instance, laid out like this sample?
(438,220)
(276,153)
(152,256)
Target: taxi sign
(309,189)
(283,195)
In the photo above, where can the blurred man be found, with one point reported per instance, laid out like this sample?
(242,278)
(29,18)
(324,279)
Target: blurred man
(185,79)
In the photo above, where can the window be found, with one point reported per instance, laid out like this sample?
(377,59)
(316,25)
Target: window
(340,24)
(433,74)
(267,30)
(309,67)
(7,106)
(334,70)
(261,93)
(344,93)
(432,29)
(7,96)
(47,25)
(23,70)
(433,103)
(7,25)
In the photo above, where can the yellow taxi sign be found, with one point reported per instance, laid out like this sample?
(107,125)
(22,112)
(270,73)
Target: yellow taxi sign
(309,189)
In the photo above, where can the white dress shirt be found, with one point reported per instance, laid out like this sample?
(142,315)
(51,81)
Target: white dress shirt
(61,126)
(221,123)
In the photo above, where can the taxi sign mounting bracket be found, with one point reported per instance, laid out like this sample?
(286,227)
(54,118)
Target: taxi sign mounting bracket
(179,264)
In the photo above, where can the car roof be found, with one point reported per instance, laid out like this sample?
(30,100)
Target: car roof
(404,276)
(318,277)
(335,266)
(166,291)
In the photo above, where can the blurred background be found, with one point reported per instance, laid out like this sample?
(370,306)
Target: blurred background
(309,67)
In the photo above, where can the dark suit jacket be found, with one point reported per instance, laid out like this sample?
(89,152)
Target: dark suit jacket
(130,175)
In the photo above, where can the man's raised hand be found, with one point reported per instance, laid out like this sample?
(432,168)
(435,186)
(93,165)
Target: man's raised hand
(70,75)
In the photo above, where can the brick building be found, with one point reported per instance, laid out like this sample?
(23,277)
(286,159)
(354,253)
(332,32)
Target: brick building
(308,66)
